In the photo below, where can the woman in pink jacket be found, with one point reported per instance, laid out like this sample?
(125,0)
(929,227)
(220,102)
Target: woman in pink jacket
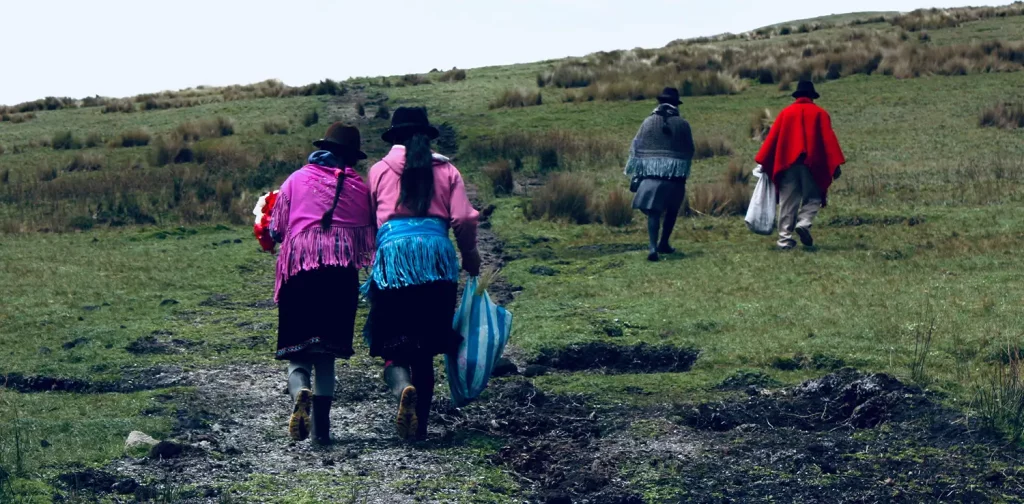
(417,196)
(322,219)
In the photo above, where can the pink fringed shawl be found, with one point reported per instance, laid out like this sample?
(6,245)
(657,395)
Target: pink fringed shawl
(304,198)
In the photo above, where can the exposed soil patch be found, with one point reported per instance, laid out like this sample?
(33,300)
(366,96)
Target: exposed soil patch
(132,380)
(846,437)
(160,342)
(641,358)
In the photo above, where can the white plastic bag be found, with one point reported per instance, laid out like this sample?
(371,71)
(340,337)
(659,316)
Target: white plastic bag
(485,328)
(761,212)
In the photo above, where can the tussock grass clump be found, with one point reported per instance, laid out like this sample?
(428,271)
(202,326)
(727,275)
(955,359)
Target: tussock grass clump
(275,127)
(516,98)
(65,140)
(193,131)
(310,118)
(500,175)
(760,123)
(383,112)
(999,400)
(453,75)
(566,196)
(731,196)
(86,161)
(360,109)
(228,156)
(1003,115)
(448,140)
(137,137)
(706,148)
(46,174)
(171,149)
(116,106)
(5,176)
(616,210)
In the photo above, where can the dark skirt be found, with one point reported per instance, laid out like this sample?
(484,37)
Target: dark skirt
(411,322)
(316,313)
(659,195)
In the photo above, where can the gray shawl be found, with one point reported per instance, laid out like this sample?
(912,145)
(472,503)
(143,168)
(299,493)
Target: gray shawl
(663,148)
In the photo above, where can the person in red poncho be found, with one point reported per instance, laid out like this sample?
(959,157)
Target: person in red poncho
(802,157)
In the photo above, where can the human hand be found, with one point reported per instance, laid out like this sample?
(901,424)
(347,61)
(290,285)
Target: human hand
(838,173)
(471,262)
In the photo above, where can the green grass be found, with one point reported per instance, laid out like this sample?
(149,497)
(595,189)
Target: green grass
(914,152)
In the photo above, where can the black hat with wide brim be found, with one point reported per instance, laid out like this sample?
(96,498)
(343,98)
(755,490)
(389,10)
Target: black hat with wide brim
(342,137)
(670,95)
(805,89)
(408,121)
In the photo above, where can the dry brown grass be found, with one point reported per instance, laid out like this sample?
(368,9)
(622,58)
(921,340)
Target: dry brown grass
(567,196)
(706,148)
(760,122)
(731,196)
(86,161)
(616,210)
(275,127)
(516,98)
(1003,115)
(500,175)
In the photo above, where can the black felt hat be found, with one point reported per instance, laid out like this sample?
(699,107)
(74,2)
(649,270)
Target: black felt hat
(805,89)
(409,121)
(669,95)
(342,137)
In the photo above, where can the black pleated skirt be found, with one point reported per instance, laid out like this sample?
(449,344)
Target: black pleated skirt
(410,322)
(316,313)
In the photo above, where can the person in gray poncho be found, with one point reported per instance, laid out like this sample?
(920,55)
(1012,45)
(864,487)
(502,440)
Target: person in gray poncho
(659,163)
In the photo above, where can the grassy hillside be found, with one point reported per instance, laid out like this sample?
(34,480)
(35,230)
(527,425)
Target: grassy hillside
(131,276)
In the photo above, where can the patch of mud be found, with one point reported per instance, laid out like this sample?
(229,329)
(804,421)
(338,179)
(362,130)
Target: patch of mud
(847,437)
(640,358)
(160,342)
(888,220)
(132,380)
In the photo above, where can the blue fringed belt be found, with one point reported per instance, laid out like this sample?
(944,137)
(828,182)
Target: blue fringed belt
(413,251)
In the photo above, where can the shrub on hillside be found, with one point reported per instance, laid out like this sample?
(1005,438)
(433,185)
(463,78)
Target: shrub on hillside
(564,196)
(1003,115)
(115,106)
(516,98)
(500,175)
(275,127)
(453,75)
(85,161)
(707,148)
(65,140)
(137,137)
(413,80)
(617,209)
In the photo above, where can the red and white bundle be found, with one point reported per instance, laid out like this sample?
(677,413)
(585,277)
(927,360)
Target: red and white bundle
(261,229)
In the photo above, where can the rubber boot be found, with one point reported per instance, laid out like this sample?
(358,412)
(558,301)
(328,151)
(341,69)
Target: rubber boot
(423,380)
(299,425)
(322,420)
(406,420)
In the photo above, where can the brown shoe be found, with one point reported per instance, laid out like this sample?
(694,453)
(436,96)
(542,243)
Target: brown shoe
(407,423)
(300,424)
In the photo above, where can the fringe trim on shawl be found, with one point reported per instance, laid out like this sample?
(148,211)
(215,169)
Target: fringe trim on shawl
(314,247)
(413,260)
(659,167)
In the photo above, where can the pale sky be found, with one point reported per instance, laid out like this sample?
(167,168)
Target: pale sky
(121,48)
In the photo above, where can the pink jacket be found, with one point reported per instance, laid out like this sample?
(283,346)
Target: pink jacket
(295,220)
(450,201)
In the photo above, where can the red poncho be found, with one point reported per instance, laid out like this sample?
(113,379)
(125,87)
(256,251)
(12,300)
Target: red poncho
(802,129)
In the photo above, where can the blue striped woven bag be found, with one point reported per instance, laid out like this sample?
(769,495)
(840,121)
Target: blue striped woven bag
(485,328)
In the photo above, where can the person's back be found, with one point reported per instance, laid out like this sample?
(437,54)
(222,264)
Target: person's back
(802,156)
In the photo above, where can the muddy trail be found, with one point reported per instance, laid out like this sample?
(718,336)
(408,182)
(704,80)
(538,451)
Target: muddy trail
(845,437)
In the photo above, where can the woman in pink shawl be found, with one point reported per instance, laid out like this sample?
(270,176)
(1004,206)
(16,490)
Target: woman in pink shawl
(322,219)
